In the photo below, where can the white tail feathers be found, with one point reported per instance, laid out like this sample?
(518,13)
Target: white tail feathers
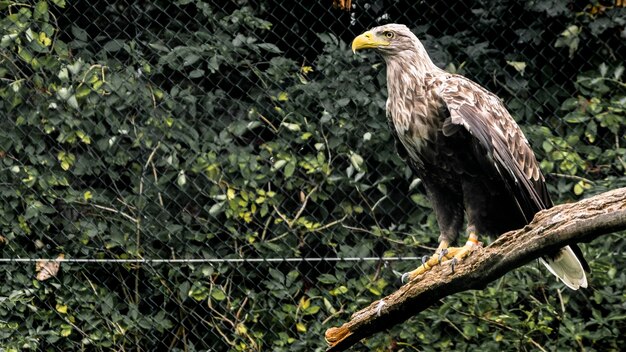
(566,266)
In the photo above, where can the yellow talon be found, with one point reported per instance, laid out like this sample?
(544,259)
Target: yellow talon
(442,255)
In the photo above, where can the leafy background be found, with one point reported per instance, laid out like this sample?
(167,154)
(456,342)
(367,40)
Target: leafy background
(197,129)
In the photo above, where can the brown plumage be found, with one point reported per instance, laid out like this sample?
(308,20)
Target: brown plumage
(462,142)
(47,269)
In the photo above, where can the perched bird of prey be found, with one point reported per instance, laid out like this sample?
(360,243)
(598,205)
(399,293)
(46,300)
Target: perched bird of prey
(471,156)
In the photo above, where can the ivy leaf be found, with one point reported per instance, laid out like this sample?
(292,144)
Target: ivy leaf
(196,74)
(61,308)
(66,330)
(617,74)
(59,3)
(113,45)
(294,127)
(79,33)
(41,11)
(519,66)
(218,295)
(191,59)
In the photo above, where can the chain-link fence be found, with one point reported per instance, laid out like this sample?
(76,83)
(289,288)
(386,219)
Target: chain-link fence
(218,175)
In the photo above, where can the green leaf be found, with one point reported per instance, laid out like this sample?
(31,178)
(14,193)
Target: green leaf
(41,11)
(283,96)
(569,104)
(469,330)
(356,160)
(8,39)
(63,74)
(547,146)
(289,169)
(291,126)
(374,290)
(327,279)
(82,91)
(113,45)
(519,66)
(575,118)
(580,187)
(269,47)
(66,330)
(617,74)
(338,291)
(61,308)
(279,164)
(183,290)
(28,57)
(198,292)
(181,180)
(241,329)
(214,64)
(30,35)
(59,3)
(79,33)
(72,102)
(342,102)
(61,49)
(76,66)
(64,93)
(160,47)
(191,59)
(603,69)
(217,294)
(217,208)
(311,310)
(196,74)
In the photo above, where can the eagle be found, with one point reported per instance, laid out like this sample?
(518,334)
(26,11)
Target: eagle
(471,156)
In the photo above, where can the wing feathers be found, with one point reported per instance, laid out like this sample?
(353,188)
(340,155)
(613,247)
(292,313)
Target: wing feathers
(485,117)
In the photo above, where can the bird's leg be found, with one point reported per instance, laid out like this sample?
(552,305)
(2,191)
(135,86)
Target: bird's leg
(445,253)
(442,254)
(470,245)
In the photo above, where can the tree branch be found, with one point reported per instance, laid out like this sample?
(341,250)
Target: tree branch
(550,230)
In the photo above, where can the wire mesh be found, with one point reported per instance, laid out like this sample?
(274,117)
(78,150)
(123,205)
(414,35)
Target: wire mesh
(218,175)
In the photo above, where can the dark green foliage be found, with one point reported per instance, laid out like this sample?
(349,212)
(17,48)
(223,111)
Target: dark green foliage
(196,129)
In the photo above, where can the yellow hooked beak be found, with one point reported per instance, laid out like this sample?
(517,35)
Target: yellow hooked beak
(367,40)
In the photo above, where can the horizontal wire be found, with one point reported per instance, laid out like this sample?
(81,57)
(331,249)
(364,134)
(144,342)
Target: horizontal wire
(209,260)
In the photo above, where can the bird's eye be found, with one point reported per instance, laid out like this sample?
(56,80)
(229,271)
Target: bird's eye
(389,35)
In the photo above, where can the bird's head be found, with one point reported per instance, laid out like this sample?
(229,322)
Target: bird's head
(388,40)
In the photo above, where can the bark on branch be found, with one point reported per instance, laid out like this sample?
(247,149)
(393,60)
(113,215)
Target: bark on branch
(551,229)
